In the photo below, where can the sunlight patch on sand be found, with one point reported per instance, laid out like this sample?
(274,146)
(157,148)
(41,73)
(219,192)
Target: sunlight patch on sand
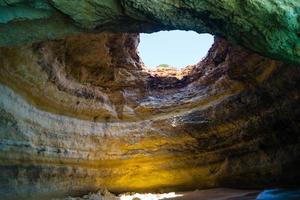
(150,196)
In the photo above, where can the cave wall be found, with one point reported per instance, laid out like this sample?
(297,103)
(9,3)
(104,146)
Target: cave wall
(81,113)
(268,27)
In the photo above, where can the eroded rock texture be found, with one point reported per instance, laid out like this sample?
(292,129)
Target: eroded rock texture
(81,113)
(268,27)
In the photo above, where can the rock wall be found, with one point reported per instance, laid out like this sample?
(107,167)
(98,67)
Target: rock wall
(268,27)
(81,113)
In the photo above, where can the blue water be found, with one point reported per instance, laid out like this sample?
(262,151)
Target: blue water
(279,194)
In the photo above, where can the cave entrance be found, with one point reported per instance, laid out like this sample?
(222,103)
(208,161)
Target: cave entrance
(173,49)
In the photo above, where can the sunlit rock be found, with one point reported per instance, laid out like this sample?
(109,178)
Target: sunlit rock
(79,111)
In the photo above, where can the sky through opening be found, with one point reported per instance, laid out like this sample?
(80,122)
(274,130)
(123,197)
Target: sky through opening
(175,48)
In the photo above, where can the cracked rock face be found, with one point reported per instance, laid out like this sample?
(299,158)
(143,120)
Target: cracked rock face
(82,113)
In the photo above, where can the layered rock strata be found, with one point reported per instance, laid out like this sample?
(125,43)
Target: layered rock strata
(81,113)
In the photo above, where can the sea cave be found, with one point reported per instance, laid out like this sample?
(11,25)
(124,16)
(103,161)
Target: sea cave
(84,116)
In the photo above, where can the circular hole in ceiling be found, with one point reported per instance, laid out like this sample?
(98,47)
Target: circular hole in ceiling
(176,49)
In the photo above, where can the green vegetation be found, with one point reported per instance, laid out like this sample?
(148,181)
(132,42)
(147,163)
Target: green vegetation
(163,66)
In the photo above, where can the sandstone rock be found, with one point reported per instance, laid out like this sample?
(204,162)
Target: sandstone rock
(79,112)
(66,129)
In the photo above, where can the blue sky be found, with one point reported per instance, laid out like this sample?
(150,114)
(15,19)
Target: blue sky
(175,48)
